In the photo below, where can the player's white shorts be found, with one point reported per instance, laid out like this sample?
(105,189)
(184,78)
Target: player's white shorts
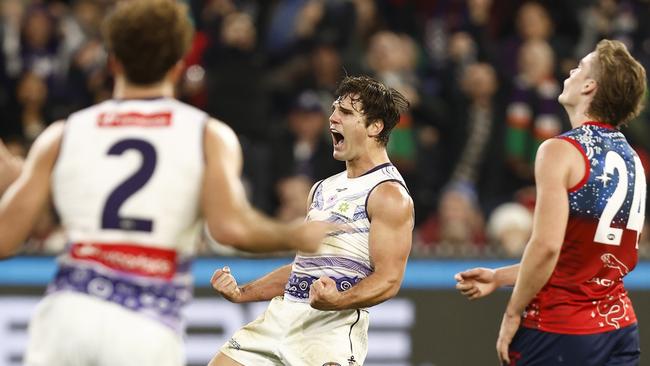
(75,329)
(292,333)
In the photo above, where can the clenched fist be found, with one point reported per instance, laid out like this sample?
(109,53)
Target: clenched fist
(226,285)
(323,294)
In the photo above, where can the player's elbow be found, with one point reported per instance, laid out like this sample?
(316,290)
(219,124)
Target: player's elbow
(392,287)
(230,233)
(546,247)
(8,247)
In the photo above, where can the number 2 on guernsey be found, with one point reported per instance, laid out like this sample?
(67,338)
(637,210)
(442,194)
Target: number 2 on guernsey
(605,233)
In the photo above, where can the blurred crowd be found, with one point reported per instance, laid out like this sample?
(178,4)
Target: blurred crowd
(482,77)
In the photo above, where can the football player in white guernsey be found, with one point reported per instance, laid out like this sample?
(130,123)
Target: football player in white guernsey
(131,178)
(318,314)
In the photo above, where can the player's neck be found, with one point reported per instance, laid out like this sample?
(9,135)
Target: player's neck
(125,90)
(362,164)
(577,114)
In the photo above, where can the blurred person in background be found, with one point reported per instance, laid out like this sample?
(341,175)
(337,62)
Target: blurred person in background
(532,114)
(457,228)
(33,106)
(569,304)
(130,179)
(317,312)
(474,137)
(508,228)
(237,93)
(302,155)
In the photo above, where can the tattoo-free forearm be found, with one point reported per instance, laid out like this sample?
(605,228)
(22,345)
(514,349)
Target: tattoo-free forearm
(266,287)
(536,268)
(370,291)
(506,276)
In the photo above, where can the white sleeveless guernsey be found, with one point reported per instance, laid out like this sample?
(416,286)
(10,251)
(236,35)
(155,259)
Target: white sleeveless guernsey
(344,256)
(127,186)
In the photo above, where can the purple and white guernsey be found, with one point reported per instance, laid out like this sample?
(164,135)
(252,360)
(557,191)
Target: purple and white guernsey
(128,196)
(343,256)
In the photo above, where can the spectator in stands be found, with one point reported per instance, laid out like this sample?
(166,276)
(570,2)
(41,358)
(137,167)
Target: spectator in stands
(533,114)
(302,152)
(509,227)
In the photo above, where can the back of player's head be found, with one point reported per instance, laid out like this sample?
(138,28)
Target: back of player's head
(621,84)
(378,102)
(148,37)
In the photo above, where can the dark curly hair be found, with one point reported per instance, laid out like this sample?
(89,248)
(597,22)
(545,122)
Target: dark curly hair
(377,102)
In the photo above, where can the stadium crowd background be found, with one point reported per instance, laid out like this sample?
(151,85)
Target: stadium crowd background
(482,77)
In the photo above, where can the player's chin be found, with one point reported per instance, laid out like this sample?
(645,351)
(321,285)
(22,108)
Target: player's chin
(338,155)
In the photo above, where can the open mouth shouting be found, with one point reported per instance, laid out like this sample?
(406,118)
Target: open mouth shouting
(337,138)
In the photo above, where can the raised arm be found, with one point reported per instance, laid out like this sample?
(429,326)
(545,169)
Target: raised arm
(230,217)
(26,198)
(391,212)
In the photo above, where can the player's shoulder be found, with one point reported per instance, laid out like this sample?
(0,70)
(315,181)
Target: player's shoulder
(391,195)
(220,131)
(391,190)
(48,143)
(558,149)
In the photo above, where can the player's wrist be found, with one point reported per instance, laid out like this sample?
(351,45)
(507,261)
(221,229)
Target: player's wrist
(513,310)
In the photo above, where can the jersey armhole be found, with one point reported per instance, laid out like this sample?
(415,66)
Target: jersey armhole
(314,190)
(62,144)
(585,177)
(365,205)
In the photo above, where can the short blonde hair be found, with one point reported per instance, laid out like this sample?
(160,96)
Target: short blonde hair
(621,84)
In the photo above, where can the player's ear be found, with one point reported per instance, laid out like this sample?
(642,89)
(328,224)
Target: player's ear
(115,66)
(375,128)
(176,72)
(589,86)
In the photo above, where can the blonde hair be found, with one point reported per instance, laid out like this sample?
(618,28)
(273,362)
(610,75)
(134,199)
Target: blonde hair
(621,84)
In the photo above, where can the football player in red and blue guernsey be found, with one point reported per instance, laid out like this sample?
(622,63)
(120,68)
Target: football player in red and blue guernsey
(569,305)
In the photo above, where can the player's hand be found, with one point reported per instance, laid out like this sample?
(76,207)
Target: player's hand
(10,167)
(323,294)
(307,236)
(476,282)
(226,285)
(509,326)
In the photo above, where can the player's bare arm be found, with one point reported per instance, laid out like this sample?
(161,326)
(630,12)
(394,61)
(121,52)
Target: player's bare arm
(558,167)
(10,168)
(29,195)
(391,212)
(262,289)
(230,217)
(480,282)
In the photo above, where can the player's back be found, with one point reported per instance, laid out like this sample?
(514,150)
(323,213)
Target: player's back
(130,171)
(127,186)
(585,293)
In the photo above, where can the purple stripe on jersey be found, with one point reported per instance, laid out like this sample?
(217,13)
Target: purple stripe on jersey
(298,286)
(351,231)
(163,300)
(347,263)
